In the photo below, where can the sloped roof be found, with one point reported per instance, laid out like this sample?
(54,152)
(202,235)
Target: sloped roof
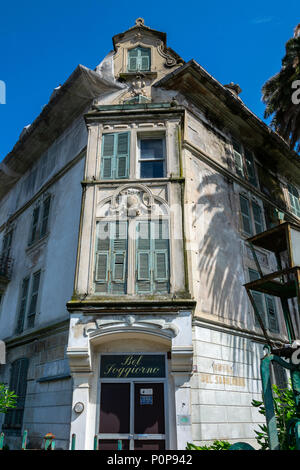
(67,103)
(194,82)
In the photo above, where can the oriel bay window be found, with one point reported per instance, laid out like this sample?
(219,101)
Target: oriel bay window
(132,257)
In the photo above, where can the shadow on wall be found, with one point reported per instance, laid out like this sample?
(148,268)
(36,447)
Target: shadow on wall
(219,247)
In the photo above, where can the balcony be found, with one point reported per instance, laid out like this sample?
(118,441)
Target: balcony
(6,265)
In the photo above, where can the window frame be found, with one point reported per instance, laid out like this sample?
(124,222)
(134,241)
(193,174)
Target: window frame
(244,166)
(115,157)
(251,201)
(21,366)
(266,312)
(37,226)
(23,321)
(290,188)
(139,59)
(131,256)
(151,136)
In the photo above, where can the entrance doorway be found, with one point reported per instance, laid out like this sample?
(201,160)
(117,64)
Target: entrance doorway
(132,412)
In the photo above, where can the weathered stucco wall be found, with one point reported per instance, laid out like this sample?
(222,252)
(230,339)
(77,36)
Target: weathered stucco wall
(55,255)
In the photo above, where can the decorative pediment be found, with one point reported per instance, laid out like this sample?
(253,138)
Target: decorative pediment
(132,201)
(133,323)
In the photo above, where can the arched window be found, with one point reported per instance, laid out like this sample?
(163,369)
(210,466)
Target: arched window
(139,58)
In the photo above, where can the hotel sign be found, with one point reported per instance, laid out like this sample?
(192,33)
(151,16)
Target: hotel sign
(122,366)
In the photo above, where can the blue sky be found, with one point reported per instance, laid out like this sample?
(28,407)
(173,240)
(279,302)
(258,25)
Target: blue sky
(42,42)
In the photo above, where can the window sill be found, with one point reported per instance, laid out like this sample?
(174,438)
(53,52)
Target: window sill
(145,73)
(37,244)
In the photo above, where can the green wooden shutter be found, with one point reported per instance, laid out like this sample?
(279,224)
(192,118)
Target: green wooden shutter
(33,299)
(143,258)
(115,155)
(246,218)
(118,257)
(45,216)
(272,313)
(34,227)
(111,257)
(238,158)
(152,258)
(133,60)
(250,167)
(144,59)
(122,156)
(257,215)
(102,257)
(161,256)
(258,298)
(108,156)
(23,304)
(294,200)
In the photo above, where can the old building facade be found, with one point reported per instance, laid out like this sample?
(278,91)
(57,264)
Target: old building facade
(125,208)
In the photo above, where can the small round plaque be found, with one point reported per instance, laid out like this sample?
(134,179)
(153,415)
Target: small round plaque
(78,407)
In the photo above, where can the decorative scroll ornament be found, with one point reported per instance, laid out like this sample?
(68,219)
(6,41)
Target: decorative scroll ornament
(171,61)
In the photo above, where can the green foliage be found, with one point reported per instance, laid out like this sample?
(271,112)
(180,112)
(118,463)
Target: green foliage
(278,92)
(8,399)
(285,410)
(216,445)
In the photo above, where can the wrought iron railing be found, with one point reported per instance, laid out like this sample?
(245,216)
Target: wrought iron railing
(6,265)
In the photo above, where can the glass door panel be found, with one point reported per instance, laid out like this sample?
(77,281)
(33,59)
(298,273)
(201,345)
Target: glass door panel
(149,415)
(115,408)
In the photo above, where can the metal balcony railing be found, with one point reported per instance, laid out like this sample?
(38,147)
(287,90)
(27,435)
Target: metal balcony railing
(6,265)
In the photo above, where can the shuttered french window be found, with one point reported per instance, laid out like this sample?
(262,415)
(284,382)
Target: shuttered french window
(246,217)
(115,155)
(111,257)
(152,257)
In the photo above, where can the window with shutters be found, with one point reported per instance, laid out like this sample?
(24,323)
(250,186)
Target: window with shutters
(251,216)
(152,257)
(244,162)
(115,156)
(151,156)
(294,201)
(39,222)
(139,59)
(111,257)
(266,306)
(148,269)
(28,302)
(18,384)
